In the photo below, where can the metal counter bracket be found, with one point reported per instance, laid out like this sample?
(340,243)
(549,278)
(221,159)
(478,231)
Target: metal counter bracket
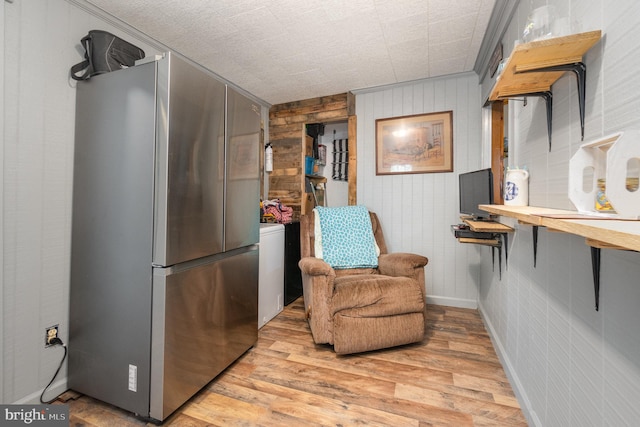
(505,239)
(535,245)
(595,264)
(493,258)
(595,267)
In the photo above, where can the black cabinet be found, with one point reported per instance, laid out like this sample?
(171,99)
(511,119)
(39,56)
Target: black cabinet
(292,274)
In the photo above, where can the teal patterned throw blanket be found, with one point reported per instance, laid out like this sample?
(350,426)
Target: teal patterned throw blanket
(345,237)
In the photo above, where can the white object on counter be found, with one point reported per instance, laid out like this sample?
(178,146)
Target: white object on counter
(516,191)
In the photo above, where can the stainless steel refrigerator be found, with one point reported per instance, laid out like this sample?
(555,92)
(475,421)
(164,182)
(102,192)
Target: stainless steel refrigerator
(164,261)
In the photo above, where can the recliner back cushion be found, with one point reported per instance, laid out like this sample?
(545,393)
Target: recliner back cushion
(344,238)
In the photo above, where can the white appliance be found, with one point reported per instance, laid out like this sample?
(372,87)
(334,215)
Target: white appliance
(271,272)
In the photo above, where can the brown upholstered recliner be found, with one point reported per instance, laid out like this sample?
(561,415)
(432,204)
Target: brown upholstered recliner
(363,309)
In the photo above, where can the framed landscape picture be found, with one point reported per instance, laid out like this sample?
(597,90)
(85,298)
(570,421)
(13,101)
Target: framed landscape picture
(421,143)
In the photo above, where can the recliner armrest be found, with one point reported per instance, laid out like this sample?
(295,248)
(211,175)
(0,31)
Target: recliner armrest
(317,286)
(402,264)
(315,267)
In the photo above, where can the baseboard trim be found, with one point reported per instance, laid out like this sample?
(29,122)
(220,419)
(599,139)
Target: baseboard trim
(55,390)
(452,302)
(514,380)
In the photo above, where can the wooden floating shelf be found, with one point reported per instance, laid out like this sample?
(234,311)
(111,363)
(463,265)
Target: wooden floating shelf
(521,73)
(488,226)
(534,67)
(486,242)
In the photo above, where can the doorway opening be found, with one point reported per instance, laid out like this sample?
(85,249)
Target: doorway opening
(331,151)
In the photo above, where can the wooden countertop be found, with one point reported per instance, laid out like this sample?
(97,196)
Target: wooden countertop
(599,231)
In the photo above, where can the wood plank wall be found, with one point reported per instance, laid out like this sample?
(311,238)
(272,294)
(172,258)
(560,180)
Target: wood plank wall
(286,133)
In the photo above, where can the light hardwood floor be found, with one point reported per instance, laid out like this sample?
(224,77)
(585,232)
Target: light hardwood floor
(453,378)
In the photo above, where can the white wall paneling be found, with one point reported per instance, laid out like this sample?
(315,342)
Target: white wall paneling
(417,210)
(2,387)
(41,41)
(570,364)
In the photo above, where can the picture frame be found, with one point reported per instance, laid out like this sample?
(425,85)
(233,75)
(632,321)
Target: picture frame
(421,143)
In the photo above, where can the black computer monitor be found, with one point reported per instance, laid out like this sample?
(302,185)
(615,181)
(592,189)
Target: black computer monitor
(476,188)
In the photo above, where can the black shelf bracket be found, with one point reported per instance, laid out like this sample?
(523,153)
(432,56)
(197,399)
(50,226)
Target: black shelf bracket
(580,70)
(548,99)
(535,245)
(595,267)
(500,260)
(493,258)
(595,264)
(505,239)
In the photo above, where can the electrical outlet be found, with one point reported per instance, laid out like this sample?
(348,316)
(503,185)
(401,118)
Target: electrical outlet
(49,334)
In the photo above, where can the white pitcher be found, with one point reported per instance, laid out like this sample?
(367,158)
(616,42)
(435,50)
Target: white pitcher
(516,191)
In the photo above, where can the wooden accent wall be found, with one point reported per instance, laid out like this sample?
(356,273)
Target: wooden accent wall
(287,135)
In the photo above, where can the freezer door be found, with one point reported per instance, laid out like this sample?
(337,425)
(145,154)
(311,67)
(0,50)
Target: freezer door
(190,163)
(243,172)
(205,315)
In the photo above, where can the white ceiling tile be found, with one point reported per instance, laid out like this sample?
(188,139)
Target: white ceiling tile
(452,29)
(442,10)
(287,50)
(449,49)
(446,66)
(257,23)
(408,28)
(392,10)
(338,10)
